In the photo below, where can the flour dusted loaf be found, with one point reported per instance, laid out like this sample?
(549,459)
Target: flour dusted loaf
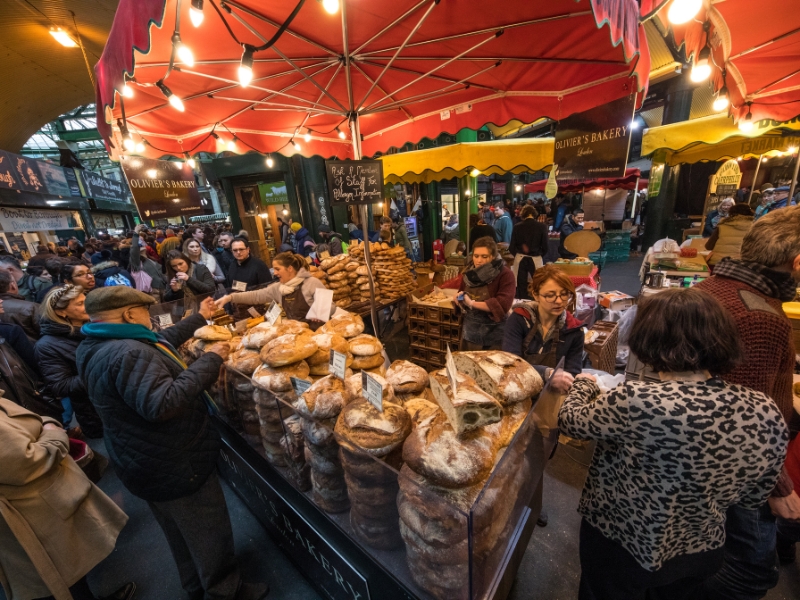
(502,375)
(470,407)
(278,379)
(378,433)
(365,345)
(324,399)
(420,409)
(354,385)
(325,343)
(372,361)
(213,333)
(406,378)
(289,348)
(244,360)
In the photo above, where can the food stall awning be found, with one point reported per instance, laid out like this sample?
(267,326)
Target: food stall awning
(717,138)
(382,73)
(628,182)
(490,158)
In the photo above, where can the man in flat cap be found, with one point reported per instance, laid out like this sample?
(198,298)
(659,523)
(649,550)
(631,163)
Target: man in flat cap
(159,435)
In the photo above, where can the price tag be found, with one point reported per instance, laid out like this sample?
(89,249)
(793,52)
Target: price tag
(450,367)
(240,326)
(273,313)
(165,320)
(239,286)
(338,364)
(300,385)
(372,390)
(324,255)
(253,312)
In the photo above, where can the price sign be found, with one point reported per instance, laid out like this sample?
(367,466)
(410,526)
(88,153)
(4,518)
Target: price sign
(273,314)
(253,312)
(240,286)
(338,364)
(372,390)
(300,385)
(165,320)
(450,367)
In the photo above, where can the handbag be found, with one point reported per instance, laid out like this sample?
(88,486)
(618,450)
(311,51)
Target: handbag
(144,283)
(23,386)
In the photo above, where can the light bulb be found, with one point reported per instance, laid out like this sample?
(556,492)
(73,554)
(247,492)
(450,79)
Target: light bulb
(307,136)
(517,187)
(190,161)
(295,145)
(246,67)
(185,54)
(331,6)
(270,162)
(127,90)
(196,13)
(634,124)
(746,125)
(380,204)
(474,172)
(152,173)
(140,148)
(176,103)
(739,159)
(62,37)
(129,144)
(341,134)
(701,70)
(792,149)
(232,145)
(682,11)
(721,102)
(285,212)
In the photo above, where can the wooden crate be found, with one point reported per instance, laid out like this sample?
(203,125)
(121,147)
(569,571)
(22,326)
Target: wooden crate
(603,351)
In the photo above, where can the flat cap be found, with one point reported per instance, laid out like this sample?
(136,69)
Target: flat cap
(118,296)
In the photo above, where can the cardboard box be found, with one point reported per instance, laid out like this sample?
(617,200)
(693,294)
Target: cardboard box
(616,300)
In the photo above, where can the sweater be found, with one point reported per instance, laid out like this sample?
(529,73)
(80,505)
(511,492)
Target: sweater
(671,457)
(503,227)
(529,237)
(272,293)
(501,293)
(252,271)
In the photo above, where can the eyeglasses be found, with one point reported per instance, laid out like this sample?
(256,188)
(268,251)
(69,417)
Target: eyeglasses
(551,297)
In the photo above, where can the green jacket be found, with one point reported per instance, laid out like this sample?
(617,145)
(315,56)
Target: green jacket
(401,237)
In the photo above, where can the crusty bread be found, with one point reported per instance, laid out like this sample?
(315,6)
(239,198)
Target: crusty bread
(323,369)
(213,333)
(244,360)
(420,409)
(406,378)
(365,345)
(288,349)
(278,379)
(354,385)
(470,408)
(325,343)
(380,370)
(368,362)
(324,399)
(502,375)
(347,325)
(375,432)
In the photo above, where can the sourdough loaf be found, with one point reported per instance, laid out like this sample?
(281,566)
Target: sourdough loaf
(289,348)
(407,378)
(470,408)
(502,375)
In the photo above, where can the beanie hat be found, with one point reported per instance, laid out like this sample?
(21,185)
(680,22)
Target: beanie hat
(99,257)
(324,228)
(119,296)
(296,226)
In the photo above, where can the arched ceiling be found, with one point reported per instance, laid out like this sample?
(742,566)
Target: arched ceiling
(41,79)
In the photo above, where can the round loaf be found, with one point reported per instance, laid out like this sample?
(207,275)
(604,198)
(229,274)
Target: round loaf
(324,399)
(278,379)
(327,263)
(379,533)
(325,343)
(365,345)
(323,369)
(368,362)
(344,302)
(288,349)
(407,378)
(319,433)
(213,333)
(336,269)
(502,375)
(377,433)
(419,409)
(362,270)
(347,325)
(380,371)
(259,336)
(354,386)
(244,360)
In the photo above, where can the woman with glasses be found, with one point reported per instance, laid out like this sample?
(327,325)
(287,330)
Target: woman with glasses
(486,291)
(79,275)
(544,331)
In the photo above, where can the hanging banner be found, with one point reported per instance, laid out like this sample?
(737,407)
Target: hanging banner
(727,179)
(354,182)
(101,188)
(274,193)
(595,143)
(7,179)
(498,188)
(161,188)
(32,219)
(54,178)
(26,174)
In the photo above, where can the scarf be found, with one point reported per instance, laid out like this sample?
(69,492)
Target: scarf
(772,283)
(133,331)
(290,286)
(483,275)
(533,312)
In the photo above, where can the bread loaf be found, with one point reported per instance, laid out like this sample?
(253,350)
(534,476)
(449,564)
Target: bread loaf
(325,343)
(502,375)
(368,362)
(278,379)
(365,345)
(406,378)
(470,408)
(420,409)
(375,432)
(324,399)
(355,382)
(288,349)
(213,333)
(244,360)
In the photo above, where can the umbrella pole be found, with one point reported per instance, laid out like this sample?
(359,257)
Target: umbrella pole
(794,179)
(635,196)
(755,178)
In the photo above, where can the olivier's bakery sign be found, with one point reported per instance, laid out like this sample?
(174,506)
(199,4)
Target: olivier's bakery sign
(594,144)
(161,188)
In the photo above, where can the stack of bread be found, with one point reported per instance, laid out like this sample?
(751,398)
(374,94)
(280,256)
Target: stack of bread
(370,440)
(450,455)
(320,360)
(367,351)
(408,380)
(319,406)
(347,325)
(356,252)
(340,276)
(392,269)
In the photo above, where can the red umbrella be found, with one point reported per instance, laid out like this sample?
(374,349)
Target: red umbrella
(751,51)
(627,182)
(392,72)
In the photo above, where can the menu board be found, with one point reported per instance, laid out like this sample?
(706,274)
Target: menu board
(354,182)
(162,188)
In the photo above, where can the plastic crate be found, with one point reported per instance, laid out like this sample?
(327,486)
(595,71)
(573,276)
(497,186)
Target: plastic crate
(614,257)
(598,258)
(618,234)
(617,245)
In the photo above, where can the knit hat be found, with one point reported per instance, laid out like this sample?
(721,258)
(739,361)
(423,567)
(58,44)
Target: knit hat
(101,256)
(324,228)
(296,226)
(118,296)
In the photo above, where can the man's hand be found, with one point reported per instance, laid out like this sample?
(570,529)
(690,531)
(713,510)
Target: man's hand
(223,349)
(562,382)
(207,308)
(787,507)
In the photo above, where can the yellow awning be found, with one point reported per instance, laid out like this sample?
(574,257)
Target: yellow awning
(498,156)
(717,138)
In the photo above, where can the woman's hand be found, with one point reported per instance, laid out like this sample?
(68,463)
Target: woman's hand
(182,276)
(562,382)
(175,285)
(223,301)
(588,376)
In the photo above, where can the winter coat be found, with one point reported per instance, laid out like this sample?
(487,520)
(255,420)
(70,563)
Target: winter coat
(158,432)
(335,244)
(200,282)
(303,242)
(55,355)
(401,238)
(529,237)
(224,259)
(503,226)
(62,524)
(102,271)
(727,238)
(18,311)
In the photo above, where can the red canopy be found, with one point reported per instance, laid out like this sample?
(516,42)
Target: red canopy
(628,182)
(755,52)
(394,71)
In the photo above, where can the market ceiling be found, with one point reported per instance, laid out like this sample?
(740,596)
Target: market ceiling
(41,78)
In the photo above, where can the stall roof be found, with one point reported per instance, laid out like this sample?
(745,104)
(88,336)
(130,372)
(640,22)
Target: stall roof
(628,182)
(525,155)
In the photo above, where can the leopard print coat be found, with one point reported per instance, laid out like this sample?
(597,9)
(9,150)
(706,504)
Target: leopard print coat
(671,457)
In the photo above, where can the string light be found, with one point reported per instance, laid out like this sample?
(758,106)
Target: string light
(270,162)
(285,212)
(474,172)
(340,133)
(517,188)
(176,102)
(763,160)
(746,125)
(683,11)
(721,102)
(190,161)
(62,37)
(196,13)
(246,66)
(232,144)
(634,124)
(152,173)
(701,70)
(295,145)
(307,136)
(127,91)
(331,6)
(183,51)
(792,149)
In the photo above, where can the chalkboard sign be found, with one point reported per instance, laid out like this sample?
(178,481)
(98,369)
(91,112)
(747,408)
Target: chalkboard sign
(354,182)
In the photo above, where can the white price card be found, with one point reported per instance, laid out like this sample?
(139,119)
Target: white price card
(372,390)
(253,312)
(452,374)
(273,313)
(338,364)
(239,286)
(300,385)
(165,320)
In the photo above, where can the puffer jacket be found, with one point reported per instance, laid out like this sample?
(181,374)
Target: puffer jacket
(158,432)
(18,311)
(106,269)
(731,232)
(55,355)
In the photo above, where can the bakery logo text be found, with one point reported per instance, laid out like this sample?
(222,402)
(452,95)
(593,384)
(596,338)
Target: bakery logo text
(160,183)
(591,138)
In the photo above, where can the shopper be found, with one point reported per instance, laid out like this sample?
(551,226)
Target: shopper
(194,232)
(671,456)
(42,255)
(333,239)
(246,272)
(401,237)
(765,200)
(194,251)
(753,289)
(80,275)
(223,252)
(146,272)
(55,524)
(726,240)
(478,229)
(570,225)
(159,433)
(63,315)
(715,216)
(486,291)
(171,242)
(13,266)
(16,309)
(186,279)
(303,242)
(528,239)
(502,224)
(544,331)
(108,272)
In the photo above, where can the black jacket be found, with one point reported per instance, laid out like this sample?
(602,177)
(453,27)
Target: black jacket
(55,355)
(224,259)
(19,379)
(480,231)
(18,311)
(529,237)
(200,281)
(252,271)
(570,343)
(157,428)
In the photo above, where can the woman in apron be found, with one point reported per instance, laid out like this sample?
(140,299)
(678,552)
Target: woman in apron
(486,292)
(294,291)
(544,331)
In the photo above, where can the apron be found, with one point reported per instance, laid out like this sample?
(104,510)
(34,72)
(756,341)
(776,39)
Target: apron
(296,308)
(478,327)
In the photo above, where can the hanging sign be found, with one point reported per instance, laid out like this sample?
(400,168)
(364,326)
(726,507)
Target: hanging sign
(372,390)
(102,188)
(54,178)
(274,193)
(7,179)
(727,179)
(26,173)
(33,219)
(498,188)
(551,188)
(161,188)
(594,143)
(354,182)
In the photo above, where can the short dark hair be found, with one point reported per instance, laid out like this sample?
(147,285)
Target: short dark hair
(685,330)
(527,211)
(11,260)
(6,279)
(486,242)
(740,208)
(577,211)
(240,239)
